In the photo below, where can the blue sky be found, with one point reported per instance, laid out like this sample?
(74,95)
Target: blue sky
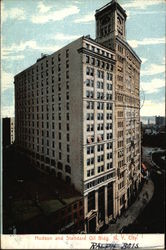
(32,27)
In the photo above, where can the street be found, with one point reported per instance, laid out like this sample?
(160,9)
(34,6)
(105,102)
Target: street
(152,220)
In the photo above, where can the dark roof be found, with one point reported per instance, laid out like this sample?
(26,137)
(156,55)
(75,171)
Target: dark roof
(111,6)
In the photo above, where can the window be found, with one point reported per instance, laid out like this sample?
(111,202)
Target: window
(90,150)
(109,86)
(67,85)
(98,63)
(90,116)
(109,96)
(90,139)
(67,64)
(93,48)
(100,148)
(100,116)
(60,155)
(90,105)
(100,158)
(90,161)
(109,126)
(67,74)
(100,105)
(100,126)
(109,106)
(90,128)
(100,85)
(109,116)
(109,76)
(90,71)
(68,158)
(100,169)
(100,95)
(89,83)
(59,67)
(102,64)
(109,165)
(67,53)
(89,94)
(87,46)
(90,172)
(109,136)
(93,61)
(59,57)
(109,156)
(100,74)
(87,59)
(100,137)
(59,136)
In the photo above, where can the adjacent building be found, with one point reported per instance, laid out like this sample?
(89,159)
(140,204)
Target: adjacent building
(8,131)
(77,116)
(160,120)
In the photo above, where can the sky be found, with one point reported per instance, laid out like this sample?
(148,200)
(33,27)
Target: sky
(32,27)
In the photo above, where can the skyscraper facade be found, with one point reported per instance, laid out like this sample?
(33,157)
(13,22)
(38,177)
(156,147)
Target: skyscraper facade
(77,116)
(111,32)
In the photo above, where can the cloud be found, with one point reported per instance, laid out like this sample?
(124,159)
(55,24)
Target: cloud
(151,108)
(7,111)
(153,86)
(7,80)
(143,60)
(85,19)
(55,15)
(146,41)
(24,45)
(13,57)
(14,13)
(141,4)
(64,37)
(153,69)
(43,8)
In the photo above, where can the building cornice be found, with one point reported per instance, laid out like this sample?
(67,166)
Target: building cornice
(112,6)
(96,55)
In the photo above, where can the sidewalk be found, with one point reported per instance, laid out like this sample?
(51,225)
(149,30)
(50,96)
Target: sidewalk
(134,210)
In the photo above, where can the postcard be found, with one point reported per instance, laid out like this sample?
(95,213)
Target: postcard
(83,124)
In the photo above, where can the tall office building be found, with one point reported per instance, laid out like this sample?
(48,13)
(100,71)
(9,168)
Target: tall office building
(111,32)
(77,116)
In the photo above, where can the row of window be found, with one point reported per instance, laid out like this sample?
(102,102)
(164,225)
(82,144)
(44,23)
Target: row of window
(100,73)
(96,62)
(99,95)
(99,84)
(100,169)
(99,51)
(100,116)
(91,139)
(100,148)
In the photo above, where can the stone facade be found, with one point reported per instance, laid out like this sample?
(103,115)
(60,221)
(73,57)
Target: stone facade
(110,31)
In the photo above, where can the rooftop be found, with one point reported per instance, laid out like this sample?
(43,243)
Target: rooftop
(111,5)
